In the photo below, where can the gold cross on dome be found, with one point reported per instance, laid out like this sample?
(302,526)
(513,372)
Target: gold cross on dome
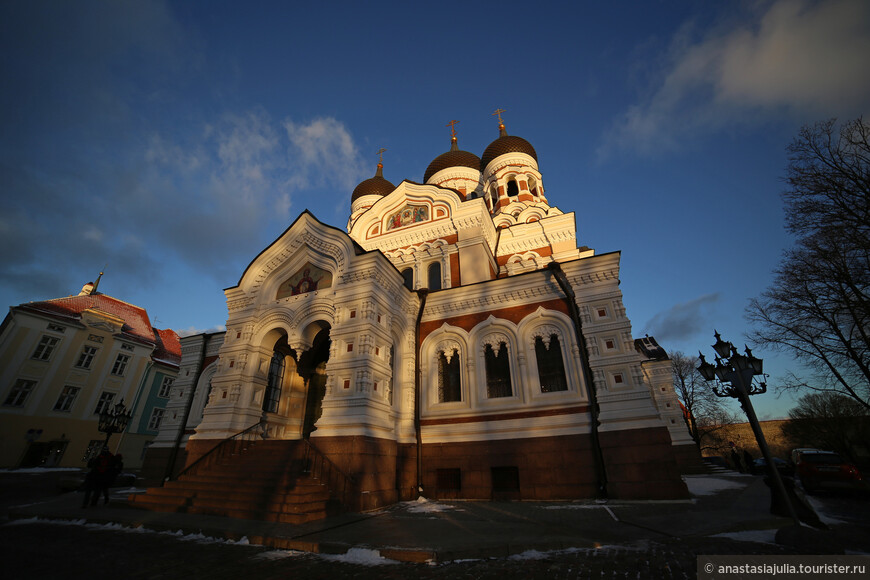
(380,155)
(498,112)
(452,125)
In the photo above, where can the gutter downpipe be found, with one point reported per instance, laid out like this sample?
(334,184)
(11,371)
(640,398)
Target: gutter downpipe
(170,465)
(570,298)
(422,293)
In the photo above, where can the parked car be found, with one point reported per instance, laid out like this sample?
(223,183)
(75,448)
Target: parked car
(826,469)
(759,467)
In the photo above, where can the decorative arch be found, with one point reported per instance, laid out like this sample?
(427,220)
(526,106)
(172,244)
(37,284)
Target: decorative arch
(449,346)
(499,356)
(537,332)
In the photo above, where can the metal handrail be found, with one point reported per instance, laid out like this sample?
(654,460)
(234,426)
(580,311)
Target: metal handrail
(222,445)
(337,481)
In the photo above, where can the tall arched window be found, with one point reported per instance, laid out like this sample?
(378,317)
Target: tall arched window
(551,367)
(273,388)
(513,189)
(408,277)
(449,387)
(498,371)
(435,276)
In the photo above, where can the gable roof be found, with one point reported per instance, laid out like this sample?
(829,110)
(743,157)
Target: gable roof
(137,325)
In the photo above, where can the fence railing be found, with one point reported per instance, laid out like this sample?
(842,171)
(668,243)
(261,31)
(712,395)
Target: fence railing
(232,445)
(321,468)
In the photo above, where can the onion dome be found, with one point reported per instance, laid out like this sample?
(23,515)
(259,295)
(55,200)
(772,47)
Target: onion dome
(376,185)
(453,158)
(506,144)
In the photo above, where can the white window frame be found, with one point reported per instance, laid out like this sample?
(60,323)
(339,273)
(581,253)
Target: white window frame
(86,358)
(45,348)
(120,366)
(66,399)
(19,393)
(157,414)
(105,402)
(165,387)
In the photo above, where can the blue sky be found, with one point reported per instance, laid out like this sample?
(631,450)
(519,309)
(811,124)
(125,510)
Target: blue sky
(170,142)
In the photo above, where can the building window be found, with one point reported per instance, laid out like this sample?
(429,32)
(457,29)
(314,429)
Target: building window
(126,347)
(104,403)
(165,387)
(505,478)
(435,276)
(448,479)
(609,344)
(45,347)
(120,364)
(513,189)
(449,388)
(18,395)
(617,379)
(408,277)
(498,371)
(65,400)
(156,418)
(273,388)
(551,368)
(87,357)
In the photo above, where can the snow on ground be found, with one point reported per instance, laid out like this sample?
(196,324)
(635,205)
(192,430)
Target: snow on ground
(199,538)
(362,556)
(424,506)
(757,536)
(819,508)
(709,485)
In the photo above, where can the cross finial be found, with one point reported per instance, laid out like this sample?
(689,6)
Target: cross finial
(381,155)
(452,125)
(498,113)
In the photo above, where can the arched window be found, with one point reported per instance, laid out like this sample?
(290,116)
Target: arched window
(449,388)
(435,276)
(273,388)
(513,189)
(533,185)
(394,371)
(498,371)
(408,276)
(551,367)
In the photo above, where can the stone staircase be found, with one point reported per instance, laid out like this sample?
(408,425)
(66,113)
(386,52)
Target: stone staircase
(260,480)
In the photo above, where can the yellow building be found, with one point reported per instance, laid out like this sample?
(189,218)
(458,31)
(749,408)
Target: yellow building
(63,361)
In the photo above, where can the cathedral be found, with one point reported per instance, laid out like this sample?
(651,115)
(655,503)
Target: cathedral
(454,342)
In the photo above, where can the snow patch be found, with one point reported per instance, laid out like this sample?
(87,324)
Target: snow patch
(706,485)
(424,506)
(362,556)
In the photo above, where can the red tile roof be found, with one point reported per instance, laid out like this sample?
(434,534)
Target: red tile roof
(136,323)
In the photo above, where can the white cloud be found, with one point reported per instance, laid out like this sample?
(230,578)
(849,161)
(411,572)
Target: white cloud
(324,154)
(682,321)
(795,57)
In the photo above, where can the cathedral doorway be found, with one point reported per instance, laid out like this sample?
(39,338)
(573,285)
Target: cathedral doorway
(314,371)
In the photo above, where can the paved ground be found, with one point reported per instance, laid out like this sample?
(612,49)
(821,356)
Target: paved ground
(48,535)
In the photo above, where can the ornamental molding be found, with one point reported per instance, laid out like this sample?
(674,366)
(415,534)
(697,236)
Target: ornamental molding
(495,340)
(448,346)
(489,302)
(281,256)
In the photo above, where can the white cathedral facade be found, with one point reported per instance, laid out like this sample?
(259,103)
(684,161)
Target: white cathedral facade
(454,342)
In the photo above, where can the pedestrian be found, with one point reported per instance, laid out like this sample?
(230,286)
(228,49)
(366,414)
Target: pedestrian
(95,480)
(747,459)
(735,459)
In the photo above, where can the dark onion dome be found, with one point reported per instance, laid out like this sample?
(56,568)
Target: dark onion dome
(453,158)
(506,144)
(376,185)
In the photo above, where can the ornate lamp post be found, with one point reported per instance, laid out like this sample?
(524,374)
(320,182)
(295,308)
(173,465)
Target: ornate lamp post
(113,420)
(732,376)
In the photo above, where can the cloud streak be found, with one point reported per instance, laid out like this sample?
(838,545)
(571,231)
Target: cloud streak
(682,321)
(794,57)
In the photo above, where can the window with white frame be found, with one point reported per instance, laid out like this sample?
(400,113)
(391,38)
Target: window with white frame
(434,275)
(156,418)
(18,395)
(66,399)
(104,403)
(498,370)
(120,364)
(449,386)
(165,387)
(86,357)
(46,346)
(551,366)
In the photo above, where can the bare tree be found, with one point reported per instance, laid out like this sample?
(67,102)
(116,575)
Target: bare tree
(829,421)
(704,412)
(818,308)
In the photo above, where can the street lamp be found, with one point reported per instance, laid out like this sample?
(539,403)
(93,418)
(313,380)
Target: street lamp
(113,420)
(732,376)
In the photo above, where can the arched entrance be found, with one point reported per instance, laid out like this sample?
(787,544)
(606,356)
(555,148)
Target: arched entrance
(296,385)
